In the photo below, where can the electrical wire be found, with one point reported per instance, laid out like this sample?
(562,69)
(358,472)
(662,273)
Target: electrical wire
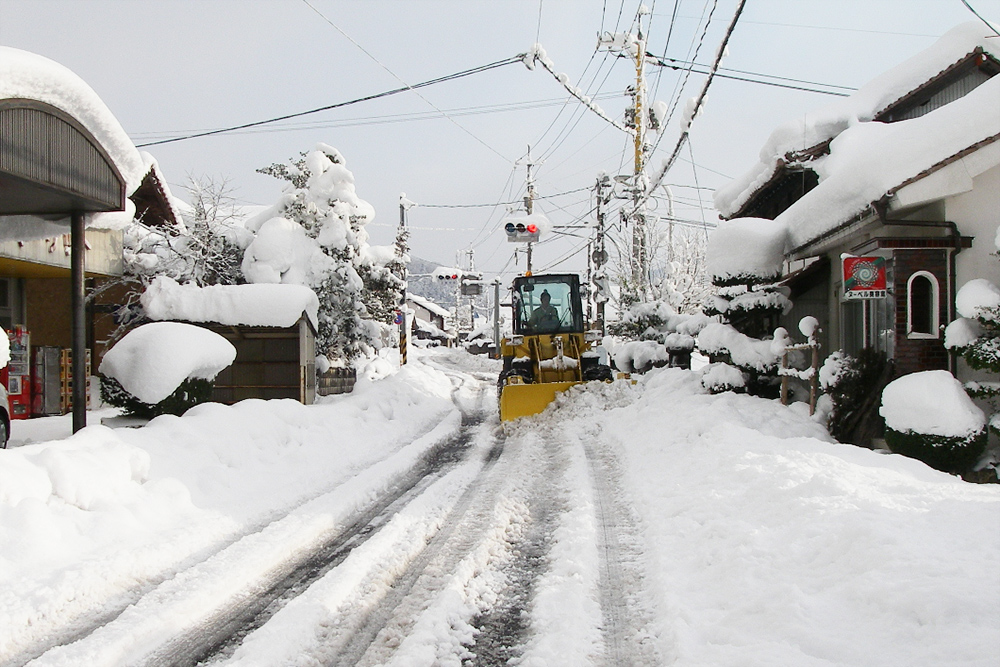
(397,77)
(367,98)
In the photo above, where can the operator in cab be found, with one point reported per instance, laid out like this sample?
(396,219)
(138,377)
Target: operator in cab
(545,317)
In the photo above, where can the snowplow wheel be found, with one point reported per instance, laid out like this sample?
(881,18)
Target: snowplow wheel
(600,372)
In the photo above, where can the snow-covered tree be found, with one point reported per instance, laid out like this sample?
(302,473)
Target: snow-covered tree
(744,260)
(205,247)
(976,336)
(314,235)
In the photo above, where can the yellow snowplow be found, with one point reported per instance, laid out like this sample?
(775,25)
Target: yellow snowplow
(549,350)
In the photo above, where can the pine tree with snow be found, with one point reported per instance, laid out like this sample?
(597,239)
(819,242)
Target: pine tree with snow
(976,336)
(315,236)
(744,261)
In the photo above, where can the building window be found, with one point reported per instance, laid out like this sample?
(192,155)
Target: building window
(922,306)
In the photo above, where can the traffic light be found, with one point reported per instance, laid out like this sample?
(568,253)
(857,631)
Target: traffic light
(520,232)
(452,275)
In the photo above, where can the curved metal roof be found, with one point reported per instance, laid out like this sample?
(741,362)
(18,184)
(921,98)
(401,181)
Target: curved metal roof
(51,165)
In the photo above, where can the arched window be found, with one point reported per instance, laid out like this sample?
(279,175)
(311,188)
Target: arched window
(923,308)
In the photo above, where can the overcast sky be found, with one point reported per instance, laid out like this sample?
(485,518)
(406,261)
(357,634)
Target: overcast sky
(168,68)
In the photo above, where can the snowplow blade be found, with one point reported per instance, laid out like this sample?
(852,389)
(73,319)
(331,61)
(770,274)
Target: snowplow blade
(522,400)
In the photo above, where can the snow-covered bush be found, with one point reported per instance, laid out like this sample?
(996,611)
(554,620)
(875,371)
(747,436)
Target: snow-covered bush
(667,337)
(314,235)
(720,377)
(744,260)
(163,368)
(929,417)
(851,382)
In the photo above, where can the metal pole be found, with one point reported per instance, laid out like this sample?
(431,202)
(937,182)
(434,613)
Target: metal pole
(496,318)
(79,345)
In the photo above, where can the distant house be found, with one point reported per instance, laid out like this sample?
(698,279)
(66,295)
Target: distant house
(428,320)
(904,173)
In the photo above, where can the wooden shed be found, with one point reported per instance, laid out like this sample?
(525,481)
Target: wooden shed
(272,327)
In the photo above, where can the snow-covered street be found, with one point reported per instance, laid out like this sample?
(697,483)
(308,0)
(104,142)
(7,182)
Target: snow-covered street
(629,524)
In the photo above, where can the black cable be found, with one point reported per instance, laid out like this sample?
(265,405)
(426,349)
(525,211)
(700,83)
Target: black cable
(396,91)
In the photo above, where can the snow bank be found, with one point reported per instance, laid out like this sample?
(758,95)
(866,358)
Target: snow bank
(151,361)
(746,247)
(87,521)
(765,543)
(265,305)
(932,403)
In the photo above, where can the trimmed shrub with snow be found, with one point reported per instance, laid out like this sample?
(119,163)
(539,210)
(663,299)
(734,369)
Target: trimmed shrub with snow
(929,417)
(163,368)
(744,261)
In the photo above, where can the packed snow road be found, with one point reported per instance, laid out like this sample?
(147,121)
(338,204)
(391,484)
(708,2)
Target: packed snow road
(651,524)
(436,553)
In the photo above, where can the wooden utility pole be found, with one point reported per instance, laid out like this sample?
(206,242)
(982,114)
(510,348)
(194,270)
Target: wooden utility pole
(529,201)
(640,261)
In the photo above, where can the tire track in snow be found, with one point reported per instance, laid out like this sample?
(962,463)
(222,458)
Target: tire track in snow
(626,619)
(196,594)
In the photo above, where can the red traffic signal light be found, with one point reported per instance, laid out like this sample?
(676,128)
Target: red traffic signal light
(521,233)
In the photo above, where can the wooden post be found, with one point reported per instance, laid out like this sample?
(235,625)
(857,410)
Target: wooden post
(784,378)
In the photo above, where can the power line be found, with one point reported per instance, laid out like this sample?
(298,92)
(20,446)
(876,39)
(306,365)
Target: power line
(398,78)
(689,66)
(367,98)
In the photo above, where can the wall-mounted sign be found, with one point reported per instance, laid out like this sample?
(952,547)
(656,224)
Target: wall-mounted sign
(864,278)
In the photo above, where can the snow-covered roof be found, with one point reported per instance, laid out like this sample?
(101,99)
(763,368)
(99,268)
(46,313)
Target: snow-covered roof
(29,76)
(260,305)
(428,305)
(869,159)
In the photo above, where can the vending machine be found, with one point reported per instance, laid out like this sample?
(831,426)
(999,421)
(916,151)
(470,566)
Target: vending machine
(46,385)
(17,375)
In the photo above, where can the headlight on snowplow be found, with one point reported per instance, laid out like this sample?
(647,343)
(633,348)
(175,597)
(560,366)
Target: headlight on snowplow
(516,340)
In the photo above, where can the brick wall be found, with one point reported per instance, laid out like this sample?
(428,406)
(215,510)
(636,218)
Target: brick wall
(914,355)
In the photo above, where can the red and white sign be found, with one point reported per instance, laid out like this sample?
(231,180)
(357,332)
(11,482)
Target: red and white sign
(864,278)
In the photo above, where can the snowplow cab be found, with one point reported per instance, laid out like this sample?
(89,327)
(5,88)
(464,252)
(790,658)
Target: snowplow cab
(549,351)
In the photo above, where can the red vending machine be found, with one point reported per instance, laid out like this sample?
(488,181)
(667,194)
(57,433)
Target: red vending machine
(17,375)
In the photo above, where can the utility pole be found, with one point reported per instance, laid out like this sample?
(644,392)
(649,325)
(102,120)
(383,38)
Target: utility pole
(496,318)
(640,268)
(529,201)
(600,255)
(402,248)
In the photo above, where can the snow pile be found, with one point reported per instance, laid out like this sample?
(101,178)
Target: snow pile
(151,361)
(746,247)
(765,543)
(932,403)
(88,521)
(265,305)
